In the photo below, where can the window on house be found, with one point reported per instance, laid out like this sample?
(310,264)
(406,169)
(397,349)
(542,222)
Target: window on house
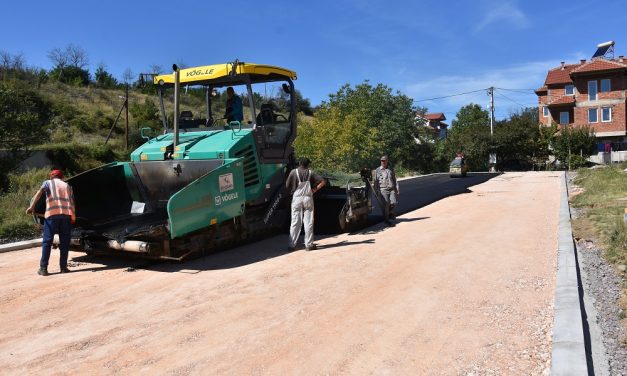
(564,117)
(569,89)
(606,114)
(545,111)
(593,115)
(606,85)
(592,90)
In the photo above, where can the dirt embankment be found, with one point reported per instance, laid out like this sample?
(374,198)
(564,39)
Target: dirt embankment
(461,286)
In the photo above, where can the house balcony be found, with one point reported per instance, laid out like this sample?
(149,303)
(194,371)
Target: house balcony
(566,101)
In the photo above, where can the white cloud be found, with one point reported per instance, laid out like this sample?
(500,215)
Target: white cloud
(507,12)
(521,76)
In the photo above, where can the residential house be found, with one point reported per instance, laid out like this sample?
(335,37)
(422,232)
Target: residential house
(435,123)
(588,93)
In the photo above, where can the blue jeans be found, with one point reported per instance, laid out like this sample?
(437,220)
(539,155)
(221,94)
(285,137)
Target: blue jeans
(61,225)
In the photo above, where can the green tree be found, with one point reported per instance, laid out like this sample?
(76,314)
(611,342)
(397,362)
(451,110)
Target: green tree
(427,158)
(470,134)
(23,118)
(144,115)
(471,115)
(70,75)
(103,78)
(70,65)
(302,104)
(357,126)
(515,140)
(573,145)
(543,144)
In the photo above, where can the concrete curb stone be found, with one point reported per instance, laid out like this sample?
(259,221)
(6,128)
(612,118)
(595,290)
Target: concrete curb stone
(568,355)
(20,245)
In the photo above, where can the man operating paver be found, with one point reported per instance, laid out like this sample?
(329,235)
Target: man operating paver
(59,218)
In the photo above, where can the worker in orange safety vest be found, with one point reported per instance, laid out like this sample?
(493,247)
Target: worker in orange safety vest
(59,218)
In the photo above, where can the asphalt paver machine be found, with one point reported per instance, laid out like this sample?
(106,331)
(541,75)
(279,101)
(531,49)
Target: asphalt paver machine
(204,183)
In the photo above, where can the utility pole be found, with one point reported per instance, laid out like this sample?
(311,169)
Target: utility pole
(491,94)
(126,129)
(124,106)
(492,161)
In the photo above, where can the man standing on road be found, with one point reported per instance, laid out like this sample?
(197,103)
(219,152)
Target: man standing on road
(386,187)
(59,218)
(299,183)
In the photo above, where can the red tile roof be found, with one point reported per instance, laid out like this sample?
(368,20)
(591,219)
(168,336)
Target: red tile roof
(567,100)
(543,89)
(599,65)
(435,116)
(560,75)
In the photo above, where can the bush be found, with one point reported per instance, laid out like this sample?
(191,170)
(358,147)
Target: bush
(574,142)
(70,75)
(23,117)
(145,113)
(577,161)
(74,158)
(15,224)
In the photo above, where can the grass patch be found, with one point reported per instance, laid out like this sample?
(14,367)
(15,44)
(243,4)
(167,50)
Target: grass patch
(15,224)
(604,200)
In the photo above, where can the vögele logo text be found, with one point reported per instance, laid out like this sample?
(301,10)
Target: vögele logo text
(220,199)
(198,72)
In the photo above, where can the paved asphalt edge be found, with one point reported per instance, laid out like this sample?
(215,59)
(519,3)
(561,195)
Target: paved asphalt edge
(569,353)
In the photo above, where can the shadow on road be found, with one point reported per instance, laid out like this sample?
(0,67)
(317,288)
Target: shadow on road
(415,193)
(343,243)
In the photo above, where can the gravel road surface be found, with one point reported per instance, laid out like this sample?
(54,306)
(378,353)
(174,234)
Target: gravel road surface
(463,286)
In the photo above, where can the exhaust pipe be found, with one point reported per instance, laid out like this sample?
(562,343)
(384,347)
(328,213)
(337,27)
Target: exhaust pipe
(129,246)
(177,88)
(56,242)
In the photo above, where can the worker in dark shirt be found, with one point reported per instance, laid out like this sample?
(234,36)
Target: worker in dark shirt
(299,183)
(234,109)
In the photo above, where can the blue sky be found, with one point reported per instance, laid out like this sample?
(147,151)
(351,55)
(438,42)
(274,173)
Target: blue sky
(424,49)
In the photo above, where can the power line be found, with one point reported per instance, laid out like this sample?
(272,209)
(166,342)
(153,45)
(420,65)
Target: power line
(511,100)
(449,96)
(522,91)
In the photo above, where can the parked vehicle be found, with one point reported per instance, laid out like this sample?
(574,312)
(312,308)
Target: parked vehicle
(458,168)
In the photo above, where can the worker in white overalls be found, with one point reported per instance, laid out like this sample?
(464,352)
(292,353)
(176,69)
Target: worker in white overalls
(299,183)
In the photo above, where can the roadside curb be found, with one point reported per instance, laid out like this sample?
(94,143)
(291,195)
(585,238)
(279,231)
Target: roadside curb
(20,245)
(568,356)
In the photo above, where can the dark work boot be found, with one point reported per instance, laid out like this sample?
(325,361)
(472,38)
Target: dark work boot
(65,270)
(42,271)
